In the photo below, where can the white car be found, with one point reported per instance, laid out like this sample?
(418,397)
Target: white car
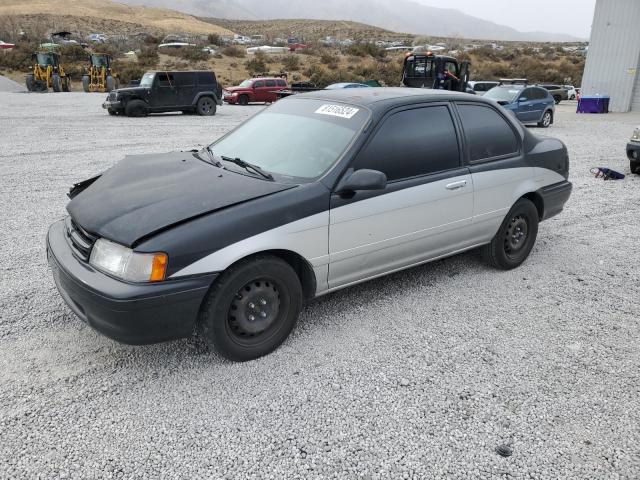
(571,91)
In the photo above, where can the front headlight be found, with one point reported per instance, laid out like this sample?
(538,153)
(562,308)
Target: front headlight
(124,263)
(636,135)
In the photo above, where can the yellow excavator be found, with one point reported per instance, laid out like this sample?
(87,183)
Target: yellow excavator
(100,77)
(47,74)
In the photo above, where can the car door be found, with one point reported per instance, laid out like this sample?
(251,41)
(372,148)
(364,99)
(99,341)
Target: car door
(271,88)
(164,92)
(186,85)
(539,98)
(524,110)
(423,211)
(498,168)
(259,92)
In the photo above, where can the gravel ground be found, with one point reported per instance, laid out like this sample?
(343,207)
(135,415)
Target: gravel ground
(421,374)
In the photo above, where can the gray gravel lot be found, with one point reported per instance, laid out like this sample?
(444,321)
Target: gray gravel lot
(417,375)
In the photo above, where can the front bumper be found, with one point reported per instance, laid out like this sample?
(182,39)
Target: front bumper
(231,99)
(633,151)
(128,313)
(554,197)
(112,105)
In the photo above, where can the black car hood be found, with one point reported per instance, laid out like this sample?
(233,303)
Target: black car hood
(126,90)
(144,194)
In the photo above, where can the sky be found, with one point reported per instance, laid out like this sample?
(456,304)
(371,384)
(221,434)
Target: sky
(573,17)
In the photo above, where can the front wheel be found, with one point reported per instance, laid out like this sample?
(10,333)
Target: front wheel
(251,309)
(515,238)
(136,108)
(547,118)
(30,83)
(573,97)
(66,84)
(243,100)
(634,167)
(56,83)
(86,81)
(206,106)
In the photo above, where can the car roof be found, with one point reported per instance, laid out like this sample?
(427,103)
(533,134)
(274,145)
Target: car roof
(370,96)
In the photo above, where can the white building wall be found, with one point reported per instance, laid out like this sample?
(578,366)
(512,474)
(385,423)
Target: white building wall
(612,67)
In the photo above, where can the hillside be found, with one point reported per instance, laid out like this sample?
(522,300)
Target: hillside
(400,16)
(310,30)
(107,14)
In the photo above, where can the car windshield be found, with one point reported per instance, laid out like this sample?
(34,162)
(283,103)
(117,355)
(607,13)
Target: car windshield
(147,80)
(503,94)
(246,83)
(296,140)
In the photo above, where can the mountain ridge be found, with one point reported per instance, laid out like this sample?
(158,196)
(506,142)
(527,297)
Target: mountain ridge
(405,16)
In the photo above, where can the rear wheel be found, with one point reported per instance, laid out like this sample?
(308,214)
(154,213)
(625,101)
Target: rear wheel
(634,167)
(547,118)
(111,83)
(206,106)
(112,111)
(243,100)
(56,83)
(30,83)
(86,81)
(136,108)
(66,84)
(251,309)
(515,238)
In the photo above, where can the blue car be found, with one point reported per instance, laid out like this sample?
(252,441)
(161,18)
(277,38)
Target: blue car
(336,86)
(530,104)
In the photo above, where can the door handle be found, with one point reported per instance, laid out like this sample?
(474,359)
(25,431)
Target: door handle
(456,185)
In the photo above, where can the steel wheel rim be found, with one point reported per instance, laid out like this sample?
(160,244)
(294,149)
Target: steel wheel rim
(516,235)
(255,311)
(206,106)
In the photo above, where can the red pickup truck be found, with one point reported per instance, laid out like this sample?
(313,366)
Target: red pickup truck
(261,89)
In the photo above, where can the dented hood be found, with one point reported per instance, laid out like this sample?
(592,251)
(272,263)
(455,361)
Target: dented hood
(146,193)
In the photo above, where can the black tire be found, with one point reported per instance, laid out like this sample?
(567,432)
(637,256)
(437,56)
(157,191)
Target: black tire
(206,106)
(557,99)
(112,111)
(547,119)
(30,83)
(515,238)
(634,167)
(136,108)
(573,97)
(251,308)
(86,81)
(243,100)
(66,84)
(110,83)
(56,83)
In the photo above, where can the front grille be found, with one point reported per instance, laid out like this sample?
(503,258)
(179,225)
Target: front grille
(80,241)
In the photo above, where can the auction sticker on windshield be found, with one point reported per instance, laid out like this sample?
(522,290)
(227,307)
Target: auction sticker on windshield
(337,110)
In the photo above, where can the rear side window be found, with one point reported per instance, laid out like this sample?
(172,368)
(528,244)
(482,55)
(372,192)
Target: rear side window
(259,83)
(271,83)
(281,83)
(539,94)
(411,143)
(488,133)
(206,78)
(166,79)
(185,78)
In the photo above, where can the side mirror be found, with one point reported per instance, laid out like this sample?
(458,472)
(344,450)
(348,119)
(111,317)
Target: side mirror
(364,179)
(523,99)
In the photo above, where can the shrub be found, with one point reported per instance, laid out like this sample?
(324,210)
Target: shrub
(128,71)
(233,51)
(366,49)
(148,57)
(256,65)
(19,58)
(291,63)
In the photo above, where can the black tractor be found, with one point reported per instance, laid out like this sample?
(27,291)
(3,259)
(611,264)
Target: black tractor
(426,70)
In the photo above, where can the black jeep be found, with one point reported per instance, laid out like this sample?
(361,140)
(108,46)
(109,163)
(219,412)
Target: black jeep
(186,92)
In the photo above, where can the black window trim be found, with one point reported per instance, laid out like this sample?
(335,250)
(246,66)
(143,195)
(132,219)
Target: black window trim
(467,155)
(414,106)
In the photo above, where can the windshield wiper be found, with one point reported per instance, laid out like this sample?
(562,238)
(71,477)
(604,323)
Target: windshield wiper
(248,166)
(213,158)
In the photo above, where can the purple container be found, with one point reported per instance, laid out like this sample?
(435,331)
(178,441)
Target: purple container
(593,105)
